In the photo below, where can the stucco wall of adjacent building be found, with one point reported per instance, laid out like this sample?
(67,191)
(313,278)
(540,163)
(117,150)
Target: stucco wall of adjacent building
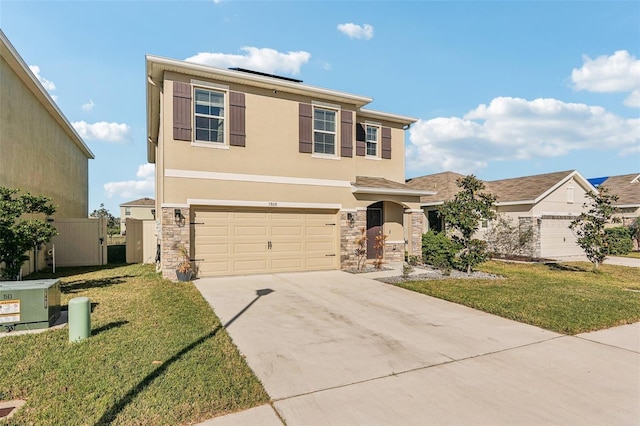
(36,153)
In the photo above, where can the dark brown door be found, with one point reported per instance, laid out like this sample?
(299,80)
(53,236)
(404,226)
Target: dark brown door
(374,228)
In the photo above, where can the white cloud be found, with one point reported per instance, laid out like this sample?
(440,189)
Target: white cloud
(619,72)
(48,85)
(109,132)
(364,32)
(516,129)
(257,59)
(143,187)
(88,106)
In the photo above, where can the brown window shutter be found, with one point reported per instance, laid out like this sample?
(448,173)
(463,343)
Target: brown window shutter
(306,128)
(346,132)
(181,111)
(386,142)
(361,138)
(237,119)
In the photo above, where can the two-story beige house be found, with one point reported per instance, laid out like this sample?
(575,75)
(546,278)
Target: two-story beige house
(257,173)
(141,209)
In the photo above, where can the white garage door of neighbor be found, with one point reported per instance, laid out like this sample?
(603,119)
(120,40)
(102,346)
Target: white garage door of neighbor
(557,239)
(233,242)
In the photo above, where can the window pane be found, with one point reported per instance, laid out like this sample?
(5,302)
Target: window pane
(324,143)
(209,119)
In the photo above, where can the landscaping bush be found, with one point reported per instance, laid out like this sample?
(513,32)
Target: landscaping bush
(618,240)
(439,251)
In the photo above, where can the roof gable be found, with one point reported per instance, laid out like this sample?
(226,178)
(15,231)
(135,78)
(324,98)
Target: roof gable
(626,187)
(142,202)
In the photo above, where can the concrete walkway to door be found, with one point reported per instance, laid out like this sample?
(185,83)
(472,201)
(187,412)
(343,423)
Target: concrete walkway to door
(336,348)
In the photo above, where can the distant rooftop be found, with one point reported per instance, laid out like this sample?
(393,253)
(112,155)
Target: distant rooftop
(142,202)
(264,74)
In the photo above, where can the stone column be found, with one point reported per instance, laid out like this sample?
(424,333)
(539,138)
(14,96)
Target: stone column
(350,231)
(417,217)
(174,232)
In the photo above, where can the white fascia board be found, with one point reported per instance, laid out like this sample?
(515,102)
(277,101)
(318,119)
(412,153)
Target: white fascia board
(267,204)
(636,179)
(240,177)
(432,204)
(579,178)
(627,206)
(390,191)
(513,203)
(368,113)
(166,64)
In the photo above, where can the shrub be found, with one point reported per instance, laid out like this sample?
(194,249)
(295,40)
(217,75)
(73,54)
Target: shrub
(439,251)
(618,240)
(506,239)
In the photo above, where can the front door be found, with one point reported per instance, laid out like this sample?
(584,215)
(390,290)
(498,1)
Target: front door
(374,228)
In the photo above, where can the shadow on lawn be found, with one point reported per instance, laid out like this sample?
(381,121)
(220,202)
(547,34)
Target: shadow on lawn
(569,268)
(81,285)
(67,271)
(107,327)
(110,415)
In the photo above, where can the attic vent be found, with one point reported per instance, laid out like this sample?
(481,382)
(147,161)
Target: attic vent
(264,74)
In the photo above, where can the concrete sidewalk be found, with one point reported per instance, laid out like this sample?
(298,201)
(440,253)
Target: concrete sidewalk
(336,348)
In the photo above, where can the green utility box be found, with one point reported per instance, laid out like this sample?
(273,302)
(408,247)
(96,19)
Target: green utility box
(28,305)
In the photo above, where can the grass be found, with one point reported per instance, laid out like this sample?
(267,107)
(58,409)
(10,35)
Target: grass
(632,254)
(566,298)
(157,356)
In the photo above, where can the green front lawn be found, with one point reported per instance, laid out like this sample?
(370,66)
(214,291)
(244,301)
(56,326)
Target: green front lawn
(567,298)
(157,355)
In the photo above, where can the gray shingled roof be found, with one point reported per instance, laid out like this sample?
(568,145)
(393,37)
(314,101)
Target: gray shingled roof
(142,202)
(443,183)
(626,187)
(520,189)
(379,185)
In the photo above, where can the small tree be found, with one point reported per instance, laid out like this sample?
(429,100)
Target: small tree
(113,223)
(379,248)
(589,226)
(634,228)
(18,233)
(463,215)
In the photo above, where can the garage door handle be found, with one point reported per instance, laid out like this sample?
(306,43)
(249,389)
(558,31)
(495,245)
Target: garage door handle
(269,245)
(196,223)
(330,224)
(330,255)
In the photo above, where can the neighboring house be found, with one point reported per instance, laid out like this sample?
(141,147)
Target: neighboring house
(547,202)
(40,151)
(627,188)
(143,209)
(257,173)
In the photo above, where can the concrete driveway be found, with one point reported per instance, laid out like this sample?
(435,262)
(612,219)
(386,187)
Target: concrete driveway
(336,348)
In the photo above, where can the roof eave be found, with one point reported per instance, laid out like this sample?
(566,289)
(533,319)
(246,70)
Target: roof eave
(16,63)
(378,115)
(390,191)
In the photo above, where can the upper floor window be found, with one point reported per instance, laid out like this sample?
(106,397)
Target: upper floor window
(209,115)
(324,131)
(570,195)
(127,211)
(372,141)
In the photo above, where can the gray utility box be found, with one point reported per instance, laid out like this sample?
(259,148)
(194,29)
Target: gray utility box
(27,305)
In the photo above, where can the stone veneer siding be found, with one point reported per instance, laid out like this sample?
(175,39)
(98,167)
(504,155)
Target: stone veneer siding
(173,234)
(348,236)
(535,246)
(417,218)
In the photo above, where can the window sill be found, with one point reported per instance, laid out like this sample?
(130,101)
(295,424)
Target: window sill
(215,145)
(325,156)
(371,157)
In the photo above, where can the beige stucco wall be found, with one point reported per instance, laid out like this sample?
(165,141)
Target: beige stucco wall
(556,202)
(36,154)
(272,150)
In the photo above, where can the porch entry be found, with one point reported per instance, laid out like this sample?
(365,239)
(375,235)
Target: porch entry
(374,227)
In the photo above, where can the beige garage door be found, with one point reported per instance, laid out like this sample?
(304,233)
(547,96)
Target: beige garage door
(232,242)
(557,239)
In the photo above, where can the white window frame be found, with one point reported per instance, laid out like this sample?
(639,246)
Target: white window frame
(127,211)
(225,128)
(335,133)
(570,195)
(367,141)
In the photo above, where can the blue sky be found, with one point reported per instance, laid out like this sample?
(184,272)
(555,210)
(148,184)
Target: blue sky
(501,89)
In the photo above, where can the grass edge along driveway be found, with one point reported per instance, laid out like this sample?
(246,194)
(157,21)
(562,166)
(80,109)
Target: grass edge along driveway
(157,356)
(566,298)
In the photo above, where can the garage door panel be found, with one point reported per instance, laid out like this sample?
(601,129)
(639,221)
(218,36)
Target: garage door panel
(249,231)
(250,248)
(281,230)
(250,266)
(236,241)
